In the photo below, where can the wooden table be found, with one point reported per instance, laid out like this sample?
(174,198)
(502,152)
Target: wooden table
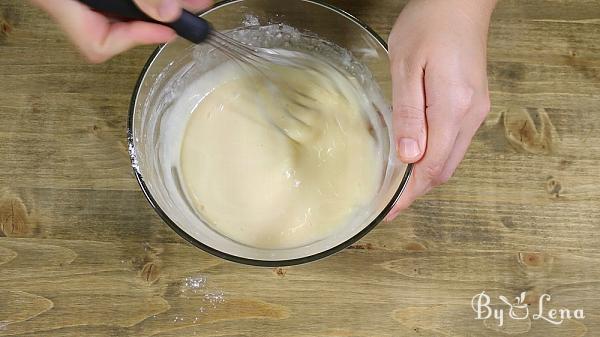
(83,254)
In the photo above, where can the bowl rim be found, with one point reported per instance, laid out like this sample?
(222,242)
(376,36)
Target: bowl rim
(234,258)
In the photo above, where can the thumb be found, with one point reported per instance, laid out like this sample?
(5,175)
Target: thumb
(161,10)
(409,119)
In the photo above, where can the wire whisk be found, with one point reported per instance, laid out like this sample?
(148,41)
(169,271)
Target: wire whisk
(263,61)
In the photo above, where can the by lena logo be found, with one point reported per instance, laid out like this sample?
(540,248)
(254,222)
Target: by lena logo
(519,310)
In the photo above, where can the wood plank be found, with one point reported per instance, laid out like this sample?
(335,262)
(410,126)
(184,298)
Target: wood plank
(83,254)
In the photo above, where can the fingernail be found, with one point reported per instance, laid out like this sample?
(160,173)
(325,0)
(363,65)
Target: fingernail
(168,10)
(408,148)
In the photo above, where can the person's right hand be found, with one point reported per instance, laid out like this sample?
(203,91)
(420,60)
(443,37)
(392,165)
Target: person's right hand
(100,38)
(440,87)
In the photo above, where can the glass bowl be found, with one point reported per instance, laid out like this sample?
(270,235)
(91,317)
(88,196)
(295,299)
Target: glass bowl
(363,52)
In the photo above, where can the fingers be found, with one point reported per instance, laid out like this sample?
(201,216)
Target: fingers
(429,172)
(454,105)
(123,36)
(98,39)
(470,126)
(409,195)
(161,10)
(170,10)
(447,106)
(409,120)
(196,5)
(461,146)
(423,179)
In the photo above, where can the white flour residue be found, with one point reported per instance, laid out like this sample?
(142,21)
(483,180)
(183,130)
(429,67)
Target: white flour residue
(194,288)
(214,298)
(193,284)
(250,20)
(134,161)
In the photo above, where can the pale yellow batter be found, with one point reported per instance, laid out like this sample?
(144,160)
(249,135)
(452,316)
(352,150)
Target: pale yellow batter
(269,178)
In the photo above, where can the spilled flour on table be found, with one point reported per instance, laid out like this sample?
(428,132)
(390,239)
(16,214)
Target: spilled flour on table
(193,284)
(214,298)
(195,288)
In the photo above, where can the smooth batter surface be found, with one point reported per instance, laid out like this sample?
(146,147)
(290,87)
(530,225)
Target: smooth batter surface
(270,174)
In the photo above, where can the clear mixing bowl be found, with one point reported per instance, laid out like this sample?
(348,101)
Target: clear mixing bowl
(362,52)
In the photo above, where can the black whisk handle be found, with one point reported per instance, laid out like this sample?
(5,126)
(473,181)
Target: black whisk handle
(191,27)
(188,25)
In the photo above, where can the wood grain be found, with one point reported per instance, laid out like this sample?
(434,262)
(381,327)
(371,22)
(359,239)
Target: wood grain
(82,254)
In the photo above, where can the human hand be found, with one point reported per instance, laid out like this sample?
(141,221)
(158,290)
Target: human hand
(99,38)
(439,75)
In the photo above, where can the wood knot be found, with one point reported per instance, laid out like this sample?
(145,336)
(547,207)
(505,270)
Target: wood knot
(13,217)
(507,221)
(152,251)
(530,130)
(6,28)
(564,164)
(8,20)
(415,247)
(150,272)
(553,187)
(150,263)
(531,298)
(531,259)
(279,271)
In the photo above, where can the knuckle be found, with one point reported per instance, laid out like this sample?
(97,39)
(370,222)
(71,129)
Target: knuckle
(462,99)
(151,8)
(443,177)
(94,58)
(410,114)
(399,65)
(480,111)
(95,54)
(403,66)
(409,120)
(434,173)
